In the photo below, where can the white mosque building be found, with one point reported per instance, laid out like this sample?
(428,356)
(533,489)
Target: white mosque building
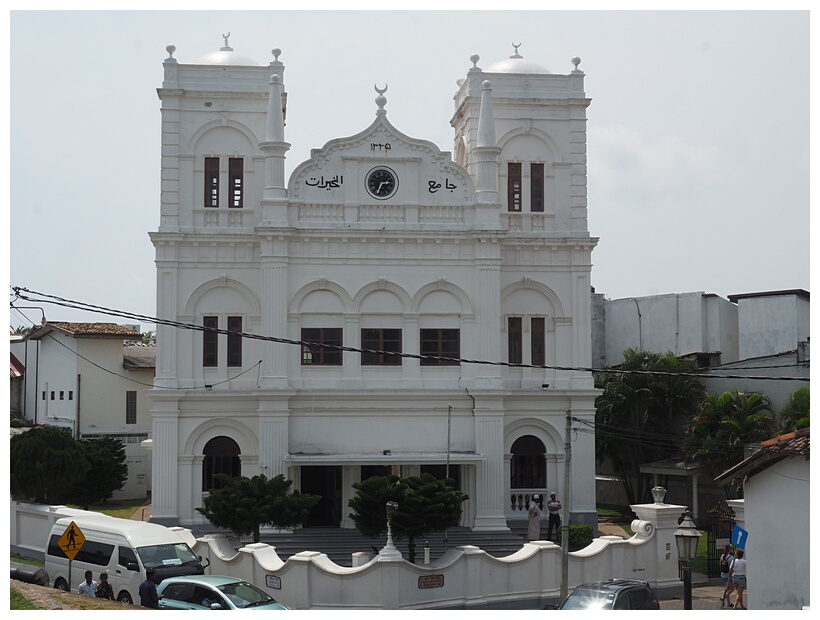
(378,244)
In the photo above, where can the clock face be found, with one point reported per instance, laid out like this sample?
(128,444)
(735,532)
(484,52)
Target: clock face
(382,183)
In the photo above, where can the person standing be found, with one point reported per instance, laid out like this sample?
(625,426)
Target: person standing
(726,559)
(738,574)
(89,586)
(534,512)
(554,509)
(104,589)
(148,591)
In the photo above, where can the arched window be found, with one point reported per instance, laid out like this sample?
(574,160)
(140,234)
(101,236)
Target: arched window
(221,457)
(528,467)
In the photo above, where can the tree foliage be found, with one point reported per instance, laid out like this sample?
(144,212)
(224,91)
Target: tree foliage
(243,505)
(108,471)
(795,413)
(725,423)
(426,504)
(639,411)
(45,463)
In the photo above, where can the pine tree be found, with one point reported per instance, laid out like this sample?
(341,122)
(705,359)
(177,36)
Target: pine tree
(425,504)
(244,504)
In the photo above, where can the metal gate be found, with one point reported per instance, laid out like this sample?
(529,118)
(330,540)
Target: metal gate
(720,521)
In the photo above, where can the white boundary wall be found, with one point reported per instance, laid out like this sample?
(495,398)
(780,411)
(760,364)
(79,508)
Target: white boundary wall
(464,577)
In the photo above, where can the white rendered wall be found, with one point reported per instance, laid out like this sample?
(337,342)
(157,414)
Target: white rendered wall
(778,521)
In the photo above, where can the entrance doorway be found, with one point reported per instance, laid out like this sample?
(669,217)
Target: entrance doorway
(327,482)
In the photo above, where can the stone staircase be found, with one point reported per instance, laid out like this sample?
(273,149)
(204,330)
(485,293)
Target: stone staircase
(340,544)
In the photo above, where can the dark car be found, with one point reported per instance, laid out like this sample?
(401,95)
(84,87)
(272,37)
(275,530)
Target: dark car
(612,594)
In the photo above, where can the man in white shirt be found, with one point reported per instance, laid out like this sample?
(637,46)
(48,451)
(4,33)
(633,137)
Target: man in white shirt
(89,586)
(554,508)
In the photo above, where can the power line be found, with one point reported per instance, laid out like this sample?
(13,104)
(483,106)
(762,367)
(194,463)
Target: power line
(26,294)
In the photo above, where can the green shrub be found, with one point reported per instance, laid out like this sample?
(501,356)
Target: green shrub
(20,423)
(579,536)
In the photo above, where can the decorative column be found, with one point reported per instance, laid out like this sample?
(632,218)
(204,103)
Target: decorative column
(489,442)
(274,296)
(274,419)
(165,465)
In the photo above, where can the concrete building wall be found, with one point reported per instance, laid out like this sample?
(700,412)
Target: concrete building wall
(682,323)
(772,323)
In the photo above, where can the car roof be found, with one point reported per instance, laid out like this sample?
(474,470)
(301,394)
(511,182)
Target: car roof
(204,580)
(611,585)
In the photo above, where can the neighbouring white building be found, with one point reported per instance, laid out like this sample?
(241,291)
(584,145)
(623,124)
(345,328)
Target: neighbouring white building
(90,378)
(776,513)
(380,241)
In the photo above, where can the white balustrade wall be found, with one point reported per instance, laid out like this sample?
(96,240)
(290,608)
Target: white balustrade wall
(464,577)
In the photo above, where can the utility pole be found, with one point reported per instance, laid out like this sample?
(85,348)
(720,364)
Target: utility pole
(565,508)
(447,466)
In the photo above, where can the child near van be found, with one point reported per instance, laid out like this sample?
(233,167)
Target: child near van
(104,589)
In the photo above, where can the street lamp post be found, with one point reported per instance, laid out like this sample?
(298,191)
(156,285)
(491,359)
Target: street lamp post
(686,538)
(390,551)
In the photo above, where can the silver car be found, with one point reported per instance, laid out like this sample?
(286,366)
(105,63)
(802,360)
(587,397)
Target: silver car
(201,592)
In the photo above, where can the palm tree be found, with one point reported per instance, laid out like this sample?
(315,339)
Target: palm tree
(724,425)
(639,413)
(795,413)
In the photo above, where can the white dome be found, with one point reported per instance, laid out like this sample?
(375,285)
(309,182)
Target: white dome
(516,65)
(226,57)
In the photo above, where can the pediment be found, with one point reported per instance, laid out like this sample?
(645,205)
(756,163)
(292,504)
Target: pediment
(338,173)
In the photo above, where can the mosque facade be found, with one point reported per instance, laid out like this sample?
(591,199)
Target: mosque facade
(386,308)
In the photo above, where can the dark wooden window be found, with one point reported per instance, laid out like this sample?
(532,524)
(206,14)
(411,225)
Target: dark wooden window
(235,342)
(513,186)
(221,457)
(536,187)
(212,181)
(131,407)
(313,354)
(381,340)
(210,347)
(236,182)
(441,343)
(514,340)
(537,343)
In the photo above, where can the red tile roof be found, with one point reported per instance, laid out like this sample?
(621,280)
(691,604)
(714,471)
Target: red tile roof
(80,330)
(16,369)
(790,445)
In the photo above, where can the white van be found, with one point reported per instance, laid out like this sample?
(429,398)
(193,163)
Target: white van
(124,549)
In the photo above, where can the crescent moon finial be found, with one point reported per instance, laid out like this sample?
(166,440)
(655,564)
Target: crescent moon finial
(516,54)
(380,91)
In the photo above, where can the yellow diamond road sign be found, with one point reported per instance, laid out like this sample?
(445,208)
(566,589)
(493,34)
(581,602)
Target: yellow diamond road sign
(71,541)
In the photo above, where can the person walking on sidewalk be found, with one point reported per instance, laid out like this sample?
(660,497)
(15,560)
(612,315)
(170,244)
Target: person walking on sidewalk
(726,559)
(738,574)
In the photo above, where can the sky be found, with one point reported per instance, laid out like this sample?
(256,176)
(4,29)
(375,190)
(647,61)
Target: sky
(698,132)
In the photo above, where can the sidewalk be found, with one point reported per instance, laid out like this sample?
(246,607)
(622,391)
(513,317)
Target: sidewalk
(705,596)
